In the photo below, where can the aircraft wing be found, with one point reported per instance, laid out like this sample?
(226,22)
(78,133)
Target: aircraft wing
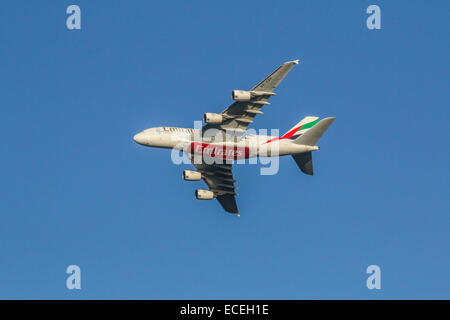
(239,115)
(219,178)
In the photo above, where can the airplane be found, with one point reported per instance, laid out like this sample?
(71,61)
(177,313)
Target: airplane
(214,147)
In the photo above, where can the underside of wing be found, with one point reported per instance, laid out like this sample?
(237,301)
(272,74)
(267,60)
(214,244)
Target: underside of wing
(228,202)
(235,120)
(274,79)
(219,178)
(240,114)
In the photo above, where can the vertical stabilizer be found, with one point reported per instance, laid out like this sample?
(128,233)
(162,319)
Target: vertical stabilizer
(301,127)
(310,137)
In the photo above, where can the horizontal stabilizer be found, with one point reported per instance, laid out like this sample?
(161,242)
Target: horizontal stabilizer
(304,162)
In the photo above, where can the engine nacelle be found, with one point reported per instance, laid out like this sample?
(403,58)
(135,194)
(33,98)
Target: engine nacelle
(212,118)
(241,95)
(202,194)
(190,175)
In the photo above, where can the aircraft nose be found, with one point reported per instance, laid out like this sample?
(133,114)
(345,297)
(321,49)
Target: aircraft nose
(139,138)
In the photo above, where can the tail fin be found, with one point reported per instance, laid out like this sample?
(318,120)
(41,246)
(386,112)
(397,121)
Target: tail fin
(310,137)
(301,127)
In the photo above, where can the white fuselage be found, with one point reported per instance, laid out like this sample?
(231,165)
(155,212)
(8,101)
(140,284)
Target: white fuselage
(248,146)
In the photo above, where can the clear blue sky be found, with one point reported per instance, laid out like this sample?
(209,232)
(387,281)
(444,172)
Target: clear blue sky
(76,189)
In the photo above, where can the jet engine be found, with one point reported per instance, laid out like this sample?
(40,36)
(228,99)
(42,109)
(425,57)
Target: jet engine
(241,95)
(212,118)
(202,194)
(190,175)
